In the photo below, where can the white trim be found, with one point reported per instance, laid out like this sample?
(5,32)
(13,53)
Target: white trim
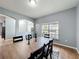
(66,46)
(77,50)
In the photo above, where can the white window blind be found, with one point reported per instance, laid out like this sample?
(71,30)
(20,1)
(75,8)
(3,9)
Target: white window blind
(52,29)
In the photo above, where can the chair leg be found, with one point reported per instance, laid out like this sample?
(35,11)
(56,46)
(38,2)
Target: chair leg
(35,39)
(46,57)
(28,42)
(50,55)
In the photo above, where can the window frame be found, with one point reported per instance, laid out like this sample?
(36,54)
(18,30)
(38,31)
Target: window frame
(56,34)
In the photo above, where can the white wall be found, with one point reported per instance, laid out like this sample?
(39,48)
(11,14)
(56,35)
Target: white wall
(67,26)
(23,25)
(77,27)
(9,27)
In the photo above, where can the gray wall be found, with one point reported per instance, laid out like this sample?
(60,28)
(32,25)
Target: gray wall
(22,28)
(16,16)
(78,27)
(67,23)
(67,26)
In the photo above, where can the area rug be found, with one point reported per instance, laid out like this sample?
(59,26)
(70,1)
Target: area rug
(55,55)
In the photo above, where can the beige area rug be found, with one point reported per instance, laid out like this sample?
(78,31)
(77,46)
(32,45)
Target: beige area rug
(55,55)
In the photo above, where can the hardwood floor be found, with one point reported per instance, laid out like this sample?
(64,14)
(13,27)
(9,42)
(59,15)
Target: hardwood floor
(21,50)
(67,53)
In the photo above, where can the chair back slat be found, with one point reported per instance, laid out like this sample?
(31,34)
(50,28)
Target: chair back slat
(43,51)
(29,36)
(38,54)
(48,49)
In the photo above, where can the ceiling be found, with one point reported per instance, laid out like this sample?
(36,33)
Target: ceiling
(43,8)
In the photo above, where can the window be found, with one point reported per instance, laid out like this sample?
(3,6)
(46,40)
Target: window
(45,28)
(52,29)
(30,26)
(25,26)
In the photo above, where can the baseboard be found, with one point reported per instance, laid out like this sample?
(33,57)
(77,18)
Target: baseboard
(77,50)
(68,47)
(65,46)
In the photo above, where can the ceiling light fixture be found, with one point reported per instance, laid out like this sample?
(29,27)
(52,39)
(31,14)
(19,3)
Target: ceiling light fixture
(33,3)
